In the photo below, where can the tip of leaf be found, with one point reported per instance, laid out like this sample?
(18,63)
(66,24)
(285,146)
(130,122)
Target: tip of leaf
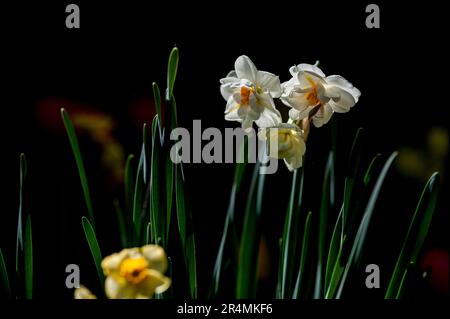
(174,54)
(85,221)
(434,180)
(23,165)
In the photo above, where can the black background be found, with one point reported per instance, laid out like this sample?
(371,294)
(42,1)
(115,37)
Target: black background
(123,47)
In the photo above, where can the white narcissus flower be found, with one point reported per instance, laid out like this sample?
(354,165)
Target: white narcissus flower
(310,93)
(249,94)
(285,141)
(136,273)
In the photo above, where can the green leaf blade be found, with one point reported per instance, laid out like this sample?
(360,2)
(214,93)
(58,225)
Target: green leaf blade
(169,199)
(172,69)
(137,201)
(342,223)
(28,259)
(19,239)
(70,130)
(158,213)
(129,185)
(93,247)
(360,237)
(335,248)
(240,168)
(186,231)
(4,278)
(415,236)
(246,283)
(140,189)
(289,241)
(123,230)
(325,207)
(157,99)
(303,257)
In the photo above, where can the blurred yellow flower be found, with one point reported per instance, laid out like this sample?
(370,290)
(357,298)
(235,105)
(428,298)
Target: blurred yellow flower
(136,273)
(100,128)
(422,162)
(285,141)
(83,293)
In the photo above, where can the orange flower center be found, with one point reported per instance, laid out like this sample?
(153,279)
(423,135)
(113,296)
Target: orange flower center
(245,95)
(312,96)
(133,270)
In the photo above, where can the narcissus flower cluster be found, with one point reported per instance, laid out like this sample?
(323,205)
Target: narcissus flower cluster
(311,96)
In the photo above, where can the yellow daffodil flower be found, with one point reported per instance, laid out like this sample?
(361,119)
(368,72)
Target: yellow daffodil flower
(136,273)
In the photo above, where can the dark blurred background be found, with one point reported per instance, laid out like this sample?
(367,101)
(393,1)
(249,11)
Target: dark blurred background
(102,74)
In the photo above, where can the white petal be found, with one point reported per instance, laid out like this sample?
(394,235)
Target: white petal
(299,102)
(322,116)
(269,82)
(118,290)
(293,70)
(231,105)
(296,100)
(156,257)
(251,114)
(111,288)
(83,293)
(233,114)
(288,86)
(232,74)
(229,79)
(315,70)
(344,100)
(258,105)
(269,118)
(245,69)
(111,263)
(154,282)
(339,81)
(297,115)
(248,116)
(294,114)
(294,162)
(305,78)
(227,90)
(243,110)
